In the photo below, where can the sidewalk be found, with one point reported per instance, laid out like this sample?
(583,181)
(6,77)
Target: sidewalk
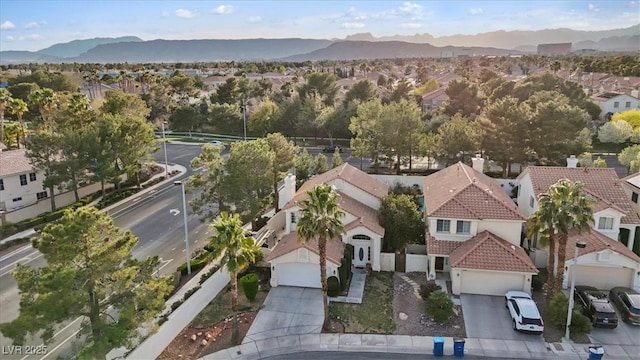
(489,348)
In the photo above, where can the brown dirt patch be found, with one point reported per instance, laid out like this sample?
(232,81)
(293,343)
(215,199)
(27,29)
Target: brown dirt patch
(417,322)
(9,249)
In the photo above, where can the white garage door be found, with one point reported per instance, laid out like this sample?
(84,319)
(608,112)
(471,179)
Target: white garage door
(299,274)
(490,283)
(603,278)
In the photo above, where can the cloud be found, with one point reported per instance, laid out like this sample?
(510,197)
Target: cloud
(255,19)
(409,7)
(410,26)
(185,14)
(165,14)
(593,8)
(7,25)
(31,37)
(476,11)
(223,10)
(10,38)
(352,25)
(34,24)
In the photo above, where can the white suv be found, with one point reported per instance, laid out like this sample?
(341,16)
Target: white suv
(524,312)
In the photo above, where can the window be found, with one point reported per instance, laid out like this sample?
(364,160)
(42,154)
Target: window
(443,226)
(23,180)
(32,177)
(627,104)
(605,223)
(634,196)
(616,104)
(368,253)
(293,218)
(17,199)
(42,195)
(463,227)
(531,201)
(1,184)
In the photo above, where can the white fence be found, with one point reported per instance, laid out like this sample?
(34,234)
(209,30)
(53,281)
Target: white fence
(387,261)
(416,263)
(406,180)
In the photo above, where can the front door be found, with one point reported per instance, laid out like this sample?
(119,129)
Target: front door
(361,253)
(439,263)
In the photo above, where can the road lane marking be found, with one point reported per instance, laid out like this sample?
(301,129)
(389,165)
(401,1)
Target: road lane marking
(136,199)
(24,260)
(164,263)
(173,249)
(64,342)
(174,212)
(14,252)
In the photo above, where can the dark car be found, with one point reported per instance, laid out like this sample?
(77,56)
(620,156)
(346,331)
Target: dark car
(332,148)
(628,302)
(596,306)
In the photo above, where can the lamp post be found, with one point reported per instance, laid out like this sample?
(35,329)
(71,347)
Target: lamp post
(244,119)
(164,144)
(186,229)
(579,245)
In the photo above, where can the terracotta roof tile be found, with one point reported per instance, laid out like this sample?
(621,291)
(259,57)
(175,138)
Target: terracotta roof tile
(289,243)
(602,183)
(487,251)
(441,247)
(596,242)
(14,162)
(366,216)
(461,192)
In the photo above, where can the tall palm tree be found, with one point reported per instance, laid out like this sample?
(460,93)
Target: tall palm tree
(18,108)
(321,219)
(564,207)
(236,251)
(5,102)
(46,101)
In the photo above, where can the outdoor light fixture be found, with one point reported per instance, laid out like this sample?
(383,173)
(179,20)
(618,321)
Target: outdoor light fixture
(579,245)
(186,229)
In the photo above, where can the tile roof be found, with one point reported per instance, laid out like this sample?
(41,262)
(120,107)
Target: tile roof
(487,251)
(441,247)
(461,192)
(438,94)
(347,173)
(597,242)
(289,243)
(602,183)
(14,162)
(366,216)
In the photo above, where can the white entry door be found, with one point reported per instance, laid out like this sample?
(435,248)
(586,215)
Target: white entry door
(361,253)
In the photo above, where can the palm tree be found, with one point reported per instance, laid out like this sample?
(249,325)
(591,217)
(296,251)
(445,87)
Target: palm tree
(18,108)
(5,102)
(46,101)
(236,251)
(321,219)
(564,207)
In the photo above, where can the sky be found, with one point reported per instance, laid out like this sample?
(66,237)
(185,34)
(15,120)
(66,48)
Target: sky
(34,25)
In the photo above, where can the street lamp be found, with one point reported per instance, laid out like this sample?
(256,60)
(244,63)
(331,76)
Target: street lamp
(244,118)
(164,144)
(579,245)
(186,229)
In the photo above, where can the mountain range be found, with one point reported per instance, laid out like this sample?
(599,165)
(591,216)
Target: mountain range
(358,46)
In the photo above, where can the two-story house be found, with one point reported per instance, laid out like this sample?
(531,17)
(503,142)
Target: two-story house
(631,186)
(473,232)
(611,102)
(608,259)
(296,263)
(20,182)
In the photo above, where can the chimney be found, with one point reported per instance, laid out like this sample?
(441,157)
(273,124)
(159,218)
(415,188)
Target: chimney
(287,191)
(572,161)
(478,163)
(634,93)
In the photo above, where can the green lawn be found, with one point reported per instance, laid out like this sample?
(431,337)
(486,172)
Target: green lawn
(375,314)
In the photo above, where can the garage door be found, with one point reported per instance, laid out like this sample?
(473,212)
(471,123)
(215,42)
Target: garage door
(490,283)
(603,277)
(299,274)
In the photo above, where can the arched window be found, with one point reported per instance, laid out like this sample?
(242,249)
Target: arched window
(360,237)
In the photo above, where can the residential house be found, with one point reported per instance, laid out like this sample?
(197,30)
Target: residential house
(611,243)
(473,232)
(20,182)
(296,263)
(434,100)
(613,102)
(631,186)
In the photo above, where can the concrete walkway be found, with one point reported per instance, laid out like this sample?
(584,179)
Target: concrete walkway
(356,289)
(287,310)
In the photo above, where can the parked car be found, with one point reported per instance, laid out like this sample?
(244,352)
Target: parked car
(524,312)
(216,143)
(628,302)
(596,306)
(332,148)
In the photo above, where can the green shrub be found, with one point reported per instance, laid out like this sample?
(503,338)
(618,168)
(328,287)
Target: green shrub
(439,306)
(208,274)
(580,324)
(176,305)
(249,285)
(557,314)
(427,289)
(333,286)
(537,282)
(190,292)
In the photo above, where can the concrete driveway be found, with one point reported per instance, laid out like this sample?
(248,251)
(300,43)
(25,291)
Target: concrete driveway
(624,334)
(486,317)
(288,310)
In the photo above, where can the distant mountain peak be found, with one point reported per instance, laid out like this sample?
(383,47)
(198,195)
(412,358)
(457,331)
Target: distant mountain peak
(77,47)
